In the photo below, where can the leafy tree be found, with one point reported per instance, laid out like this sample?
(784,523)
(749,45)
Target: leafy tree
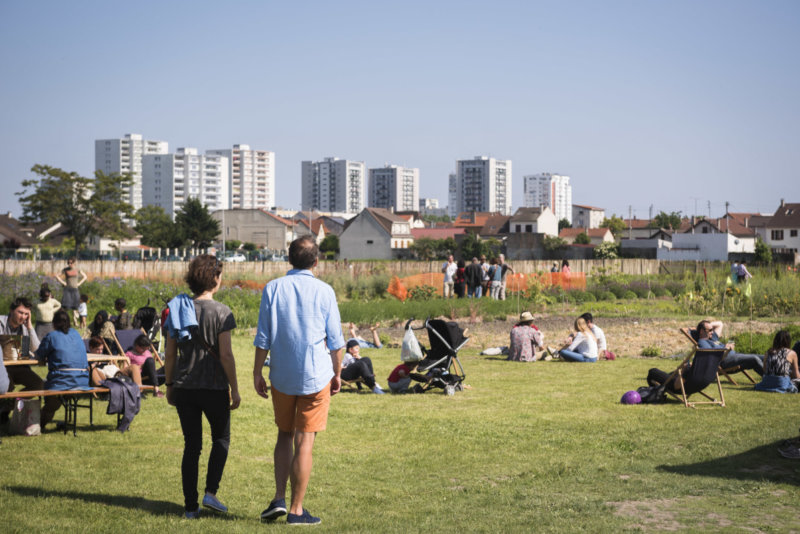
(606,251)
(553,244)
(330,244)
(615,224)
(84,206)
(250,247)
(582,239)
(157,228)
(424,248)
(436,218)
(564,223)
(445,247)
(232,244)
(670,221)
(763,252)
(196,223)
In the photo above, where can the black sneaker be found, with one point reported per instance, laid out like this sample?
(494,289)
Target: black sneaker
(276,509)
(303,519)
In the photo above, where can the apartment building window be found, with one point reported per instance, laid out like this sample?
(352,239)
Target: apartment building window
(777,235)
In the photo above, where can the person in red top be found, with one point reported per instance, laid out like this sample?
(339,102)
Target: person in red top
(400,378)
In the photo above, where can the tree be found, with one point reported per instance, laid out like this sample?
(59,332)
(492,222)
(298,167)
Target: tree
(582,239)
(196,223)
(232,244)
(436,218)
(564,223)
(330,244)
(424,248)
(157,228)
(670,221)
(84,206)
(445,247)
(763,252)
(249,247)
(615,224)
(607,250)
(553,244)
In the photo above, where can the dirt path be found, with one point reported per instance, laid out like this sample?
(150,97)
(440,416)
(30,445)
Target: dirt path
(626,336)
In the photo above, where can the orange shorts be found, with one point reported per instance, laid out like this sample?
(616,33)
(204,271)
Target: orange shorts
(306,413)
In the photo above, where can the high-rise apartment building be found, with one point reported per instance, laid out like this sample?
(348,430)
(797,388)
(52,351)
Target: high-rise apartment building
(170,179)
(551,190)
(124,155)
(484,184)
(252,177)
(452,195)
(394,187)
(333,184)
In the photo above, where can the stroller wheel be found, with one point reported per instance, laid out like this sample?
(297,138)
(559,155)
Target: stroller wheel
(449,390)
(459,387)
(418,389)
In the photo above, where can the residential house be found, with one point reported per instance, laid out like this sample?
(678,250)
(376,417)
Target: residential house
(782,229)
(596,235)
(376,233)
(258,226)
(540,220)
(710,240)
(587,216)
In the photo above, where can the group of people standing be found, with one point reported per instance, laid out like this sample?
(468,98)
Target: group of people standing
(478,279)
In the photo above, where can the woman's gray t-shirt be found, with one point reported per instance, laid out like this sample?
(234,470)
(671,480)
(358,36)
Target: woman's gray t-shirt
(196,368)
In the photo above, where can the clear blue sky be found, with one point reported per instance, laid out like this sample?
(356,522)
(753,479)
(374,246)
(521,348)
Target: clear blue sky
(671,104)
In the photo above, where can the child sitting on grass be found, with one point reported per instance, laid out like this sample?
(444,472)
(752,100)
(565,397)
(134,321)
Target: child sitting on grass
(400,378)
(142,359)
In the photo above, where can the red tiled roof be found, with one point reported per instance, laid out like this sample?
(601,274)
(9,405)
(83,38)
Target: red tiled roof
(787,216)
(437,233)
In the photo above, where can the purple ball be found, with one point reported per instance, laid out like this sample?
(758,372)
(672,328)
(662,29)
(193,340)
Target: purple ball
(631,397)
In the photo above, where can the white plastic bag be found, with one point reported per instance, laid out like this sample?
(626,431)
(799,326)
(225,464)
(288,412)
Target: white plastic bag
(25,418)
(411,351)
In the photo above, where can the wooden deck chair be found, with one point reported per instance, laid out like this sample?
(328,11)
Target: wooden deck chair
(125,338)
(695,373)
(722,369)
(106,347)
(353,385)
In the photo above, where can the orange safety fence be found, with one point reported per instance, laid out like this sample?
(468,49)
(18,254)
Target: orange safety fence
(399,287)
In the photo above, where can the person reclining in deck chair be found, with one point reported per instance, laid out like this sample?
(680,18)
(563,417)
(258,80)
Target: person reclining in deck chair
(354,367)
(709,339)
(363,343)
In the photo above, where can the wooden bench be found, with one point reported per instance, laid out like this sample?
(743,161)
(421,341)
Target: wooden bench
(70,399)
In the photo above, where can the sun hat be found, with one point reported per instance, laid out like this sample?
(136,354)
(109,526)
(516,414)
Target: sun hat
(526,317)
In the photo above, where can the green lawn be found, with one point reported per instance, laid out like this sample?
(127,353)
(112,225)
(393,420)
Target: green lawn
(528,447)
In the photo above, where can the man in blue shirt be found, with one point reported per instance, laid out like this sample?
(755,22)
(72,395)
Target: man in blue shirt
(708,334)
(300,326)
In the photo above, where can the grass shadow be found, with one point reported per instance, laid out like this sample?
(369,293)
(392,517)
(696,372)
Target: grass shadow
(759,463)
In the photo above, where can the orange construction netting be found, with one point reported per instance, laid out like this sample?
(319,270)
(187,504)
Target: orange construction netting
(398,287)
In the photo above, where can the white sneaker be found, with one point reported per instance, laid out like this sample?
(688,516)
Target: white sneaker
(377,390)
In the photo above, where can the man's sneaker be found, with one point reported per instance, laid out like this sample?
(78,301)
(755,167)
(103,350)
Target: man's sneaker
(790,452)
(377,390)
(192,515)
(211,502)
(276,509)
(548,358)
(303,519)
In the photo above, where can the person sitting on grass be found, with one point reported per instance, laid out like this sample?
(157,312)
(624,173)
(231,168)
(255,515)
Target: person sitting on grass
(526,339)
(400,377)
(781,373)
(600,336)
(142,361)
(363,343)
(355,367)
(583,345)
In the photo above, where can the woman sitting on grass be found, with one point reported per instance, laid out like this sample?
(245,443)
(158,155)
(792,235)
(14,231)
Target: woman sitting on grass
(781,371)
(584,345)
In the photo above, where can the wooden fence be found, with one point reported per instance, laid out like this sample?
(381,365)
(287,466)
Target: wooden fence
(175,270)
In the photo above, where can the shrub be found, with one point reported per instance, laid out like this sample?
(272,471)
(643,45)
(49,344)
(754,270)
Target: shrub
(423,292)
(651,350)
(607,295)
(628,294)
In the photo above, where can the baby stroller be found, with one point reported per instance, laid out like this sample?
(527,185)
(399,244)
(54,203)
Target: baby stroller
(440,368)
(148,320)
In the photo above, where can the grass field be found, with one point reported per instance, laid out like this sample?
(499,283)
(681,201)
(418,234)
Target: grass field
(538,447)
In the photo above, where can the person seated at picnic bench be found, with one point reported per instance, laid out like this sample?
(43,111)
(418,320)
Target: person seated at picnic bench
(781,372)
(363,343)
(102,327)
(355,367)
(142,363)
(18,323)
(526,340)
(65,354)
